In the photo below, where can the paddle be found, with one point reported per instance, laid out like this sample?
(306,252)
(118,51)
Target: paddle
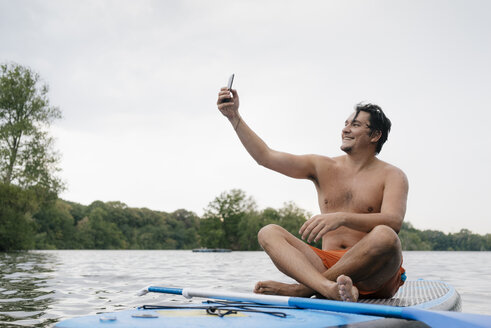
(436,319)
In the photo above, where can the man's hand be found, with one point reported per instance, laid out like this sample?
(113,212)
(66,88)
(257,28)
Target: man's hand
(318,225)
(228,104)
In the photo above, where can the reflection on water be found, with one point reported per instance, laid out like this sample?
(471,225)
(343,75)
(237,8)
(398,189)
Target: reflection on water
(24,296)
(40,288)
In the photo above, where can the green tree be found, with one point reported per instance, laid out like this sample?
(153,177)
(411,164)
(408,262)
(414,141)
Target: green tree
(211,233)
(77,211)
(248,229)
(465,240)
(55,226)
(292,218)
(16,224)
(154,237)
(96,232)
(411,239)
(227,210)
(487,242)
(437,240)
(27,157)
(185,226)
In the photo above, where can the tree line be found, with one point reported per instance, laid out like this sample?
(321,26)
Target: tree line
(32,216)
(34,221)
(30,219)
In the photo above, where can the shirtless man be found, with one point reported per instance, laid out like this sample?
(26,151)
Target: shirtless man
(362,202)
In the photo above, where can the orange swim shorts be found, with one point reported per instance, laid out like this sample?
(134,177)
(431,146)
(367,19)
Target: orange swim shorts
(329,258)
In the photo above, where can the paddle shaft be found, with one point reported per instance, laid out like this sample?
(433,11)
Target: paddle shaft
(299,302)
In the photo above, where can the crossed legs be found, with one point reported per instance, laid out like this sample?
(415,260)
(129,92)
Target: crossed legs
(368,265)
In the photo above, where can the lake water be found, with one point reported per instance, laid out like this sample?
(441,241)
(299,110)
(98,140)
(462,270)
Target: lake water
(40,288)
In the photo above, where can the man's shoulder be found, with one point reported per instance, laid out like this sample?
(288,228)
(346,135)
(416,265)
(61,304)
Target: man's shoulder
(388,166)
(391,171)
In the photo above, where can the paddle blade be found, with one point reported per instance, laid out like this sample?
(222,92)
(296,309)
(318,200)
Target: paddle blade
(447,319)
(165,290)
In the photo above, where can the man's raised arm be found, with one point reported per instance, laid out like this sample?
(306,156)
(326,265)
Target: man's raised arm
(300,167)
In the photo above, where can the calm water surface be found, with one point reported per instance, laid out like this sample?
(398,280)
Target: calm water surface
(40,288)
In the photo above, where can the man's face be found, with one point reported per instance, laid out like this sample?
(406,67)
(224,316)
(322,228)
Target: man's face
(356,132)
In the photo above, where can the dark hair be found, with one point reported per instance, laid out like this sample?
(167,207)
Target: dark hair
(378,122)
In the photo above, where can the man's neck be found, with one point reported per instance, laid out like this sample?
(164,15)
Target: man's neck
(359,161)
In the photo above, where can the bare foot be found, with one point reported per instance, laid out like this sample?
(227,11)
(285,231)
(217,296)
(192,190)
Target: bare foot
(347,291)
(341,290)
(271,287)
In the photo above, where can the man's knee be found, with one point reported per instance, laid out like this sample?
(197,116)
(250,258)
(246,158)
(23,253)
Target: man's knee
(385,239)
(267,233)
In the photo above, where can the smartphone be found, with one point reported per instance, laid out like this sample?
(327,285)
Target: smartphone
(229,87)
(230,81)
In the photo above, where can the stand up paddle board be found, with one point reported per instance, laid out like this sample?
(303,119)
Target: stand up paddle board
(238,311)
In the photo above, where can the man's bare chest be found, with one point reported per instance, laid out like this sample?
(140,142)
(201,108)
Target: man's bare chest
(361,193)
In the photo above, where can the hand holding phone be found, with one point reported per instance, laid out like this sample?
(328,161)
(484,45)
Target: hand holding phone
(228,103)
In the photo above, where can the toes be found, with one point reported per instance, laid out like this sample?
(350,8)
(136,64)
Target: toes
(346,289)
(342,280)
(258,287)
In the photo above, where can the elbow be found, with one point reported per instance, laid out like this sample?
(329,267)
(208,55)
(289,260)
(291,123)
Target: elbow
(261,162)
(263,158)
(396,223)
(393,222)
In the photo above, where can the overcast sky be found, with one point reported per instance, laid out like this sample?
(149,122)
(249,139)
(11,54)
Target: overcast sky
(137,82)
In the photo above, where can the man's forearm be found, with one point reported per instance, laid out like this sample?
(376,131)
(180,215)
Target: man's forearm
(367,221)
(254,145)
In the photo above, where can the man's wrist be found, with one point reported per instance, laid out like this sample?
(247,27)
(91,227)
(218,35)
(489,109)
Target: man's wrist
(343,218)
(236,122)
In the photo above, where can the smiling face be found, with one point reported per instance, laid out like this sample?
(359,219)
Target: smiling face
(357,134)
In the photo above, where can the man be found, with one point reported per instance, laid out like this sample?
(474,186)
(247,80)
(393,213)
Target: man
(362,202)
